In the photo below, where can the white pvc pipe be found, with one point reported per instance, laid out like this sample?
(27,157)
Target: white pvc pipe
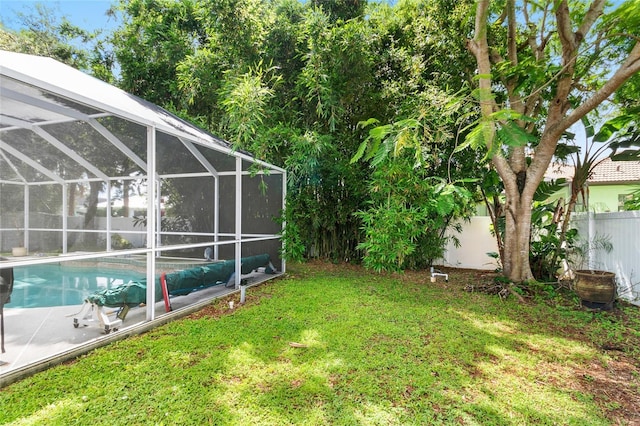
(435,274)
(243,293)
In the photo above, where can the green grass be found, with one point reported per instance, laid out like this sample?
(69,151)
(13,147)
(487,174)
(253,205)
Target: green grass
(377,350)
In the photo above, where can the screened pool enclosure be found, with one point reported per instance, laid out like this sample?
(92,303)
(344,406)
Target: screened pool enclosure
(93,178)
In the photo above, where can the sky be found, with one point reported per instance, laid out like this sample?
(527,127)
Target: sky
(86,14)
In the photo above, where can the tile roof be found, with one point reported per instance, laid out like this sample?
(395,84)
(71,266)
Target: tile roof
(607,171)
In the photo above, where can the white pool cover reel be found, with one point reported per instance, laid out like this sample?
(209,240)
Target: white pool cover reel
(85,316)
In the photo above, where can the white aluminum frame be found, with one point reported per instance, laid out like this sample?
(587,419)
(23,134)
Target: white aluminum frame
(63,81)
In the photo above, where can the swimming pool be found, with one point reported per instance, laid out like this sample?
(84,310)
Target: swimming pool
(38,286)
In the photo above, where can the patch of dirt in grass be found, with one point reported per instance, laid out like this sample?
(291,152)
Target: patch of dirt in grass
(614,382)
(218,308)
(221,307)
(615,385)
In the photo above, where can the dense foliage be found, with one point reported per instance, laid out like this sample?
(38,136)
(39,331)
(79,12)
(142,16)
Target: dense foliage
(290,82)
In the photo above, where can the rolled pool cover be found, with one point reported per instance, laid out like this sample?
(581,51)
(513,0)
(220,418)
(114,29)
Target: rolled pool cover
(180,282)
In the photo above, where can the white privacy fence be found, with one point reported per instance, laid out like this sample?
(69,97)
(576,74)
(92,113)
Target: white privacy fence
(475,242)
(621,229)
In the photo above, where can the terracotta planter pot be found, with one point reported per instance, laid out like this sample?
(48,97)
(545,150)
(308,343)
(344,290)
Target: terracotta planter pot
(596,289)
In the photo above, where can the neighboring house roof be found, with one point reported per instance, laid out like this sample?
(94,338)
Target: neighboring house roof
(606,172)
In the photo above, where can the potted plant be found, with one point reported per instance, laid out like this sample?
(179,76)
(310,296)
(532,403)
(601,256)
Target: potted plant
(596,289)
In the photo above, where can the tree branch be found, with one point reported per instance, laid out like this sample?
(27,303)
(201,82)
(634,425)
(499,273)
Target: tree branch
(594,12)
(512,48)
(544,39)
(512,53)
(555,127)
(505,172)
(629,67)
(502,17)
(563,21)
(480,48)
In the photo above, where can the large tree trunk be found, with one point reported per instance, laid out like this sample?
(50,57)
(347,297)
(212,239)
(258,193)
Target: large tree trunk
(91,238)
(517,236)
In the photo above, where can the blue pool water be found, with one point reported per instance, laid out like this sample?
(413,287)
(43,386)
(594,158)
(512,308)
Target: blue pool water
(58,285)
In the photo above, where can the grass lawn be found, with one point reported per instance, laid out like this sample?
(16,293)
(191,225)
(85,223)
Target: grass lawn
(335,344)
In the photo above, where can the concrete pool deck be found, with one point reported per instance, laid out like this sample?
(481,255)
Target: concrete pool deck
(37,338)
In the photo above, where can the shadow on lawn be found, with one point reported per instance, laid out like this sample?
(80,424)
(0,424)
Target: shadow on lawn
(389,350)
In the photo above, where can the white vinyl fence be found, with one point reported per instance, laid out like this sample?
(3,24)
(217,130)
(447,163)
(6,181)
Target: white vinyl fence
(621,229)
(476,241)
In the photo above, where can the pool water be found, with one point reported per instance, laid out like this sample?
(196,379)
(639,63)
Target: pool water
(57,285)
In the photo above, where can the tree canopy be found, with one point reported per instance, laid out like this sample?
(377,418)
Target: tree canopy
(541,68)
(291,81)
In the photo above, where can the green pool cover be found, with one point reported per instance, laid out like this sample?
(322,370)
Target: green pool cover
(180,282)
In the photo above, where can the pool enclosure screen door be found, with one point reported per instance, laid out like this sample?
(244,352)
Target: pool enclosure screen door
(91,176)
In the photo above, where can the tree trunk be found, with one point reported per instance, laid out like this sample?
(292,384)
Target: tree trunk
(517,236)
(91,238)
(71,202)
(495,210)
